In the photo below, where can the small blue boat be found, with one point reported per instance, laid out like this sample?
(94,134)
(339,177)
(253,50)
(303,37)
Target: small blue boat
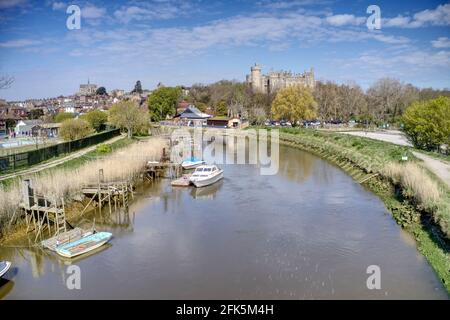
(83,245)
(192,163)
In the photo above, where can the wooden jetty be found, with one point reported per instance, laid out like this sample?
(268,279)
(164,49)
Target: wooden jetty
(42,212)
(155,170)
(110,193)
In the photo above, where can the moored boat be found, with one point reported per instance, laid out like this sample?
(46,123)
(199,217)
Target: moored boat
(192,163)
(4,267)
(83,245)
(205,175)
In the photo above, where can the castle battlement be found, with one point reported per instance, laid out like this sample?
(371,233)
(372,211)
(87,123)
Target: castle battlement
(275,80)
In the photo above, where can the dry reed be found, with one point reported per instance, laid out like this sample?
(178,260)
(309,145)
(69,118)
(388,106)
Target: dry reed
(124,164)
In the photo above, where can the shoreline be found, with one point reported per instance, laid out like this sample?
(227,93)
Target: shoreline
(430,240)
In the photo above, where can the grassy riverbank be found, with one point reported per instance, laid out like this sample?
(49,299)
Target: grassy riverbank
(419,202)
(124,160)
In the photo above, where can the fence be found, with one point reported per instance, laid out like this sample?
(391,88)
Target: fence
(29,158)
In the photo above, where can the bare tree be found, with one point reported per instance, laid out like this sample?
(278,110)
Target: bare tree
(327,98)
(385,98)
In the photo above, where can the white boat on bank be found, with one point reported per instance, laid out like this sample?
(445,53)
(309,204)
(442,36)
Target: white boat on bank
(192,163)
(4,267)
(205,175)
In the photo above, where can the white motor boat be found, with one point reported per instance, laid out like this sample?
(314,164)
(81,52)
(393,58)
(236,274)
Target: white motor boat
(4,267)
(205,175)
(192,163)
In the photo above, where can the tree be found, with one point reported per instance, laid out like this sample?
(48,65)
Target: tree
(137,87)
(62,116)
(427,123)
(35,114)
(126,115)
(201,106)
(221,109)
(96,118)
(73,129)
(294,103)
(163,102)
(327,97)
(385,98)
(101,91)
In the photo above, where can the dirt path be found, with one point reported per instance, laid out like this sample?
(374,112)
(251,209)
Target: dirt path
(58,161)
(440,168)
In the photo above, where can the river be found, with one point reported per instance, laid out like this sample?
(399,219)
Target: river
(308,232)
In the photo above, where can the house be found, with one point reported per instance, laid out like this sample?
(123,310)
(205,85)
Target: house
(224,122)
(191,116)
(25,127)
(2,127)
(49,130)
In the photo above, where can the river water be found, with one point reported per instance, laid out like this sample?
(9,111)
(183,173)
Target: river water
(309,232)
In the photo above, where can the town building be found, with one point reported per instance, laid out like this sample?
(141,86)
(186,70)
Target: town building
(25,127)
(191,116)
(87,89)
(275,80)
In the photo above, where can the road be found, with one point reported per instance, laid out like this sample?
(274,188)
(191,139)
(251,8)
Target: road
(58,161)
(440,168)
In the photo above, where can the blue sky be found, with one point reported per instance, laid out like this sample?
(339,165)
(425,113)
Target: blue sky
(185,42)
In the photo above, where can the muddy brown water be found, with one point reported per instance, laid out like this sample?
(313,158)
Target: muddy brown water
(309,232)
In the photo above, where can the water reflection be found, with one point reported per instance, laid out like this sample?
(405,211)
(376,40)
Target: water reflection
(307,233)
(5,287)
(206,193)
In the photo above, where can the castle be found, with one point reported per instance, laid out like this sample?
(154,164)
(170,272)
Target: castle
(274,81)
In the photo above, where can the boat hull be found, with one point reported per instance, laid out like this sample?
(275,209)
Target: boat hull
(4,267)
(192,165)
(203,182)
(84,245)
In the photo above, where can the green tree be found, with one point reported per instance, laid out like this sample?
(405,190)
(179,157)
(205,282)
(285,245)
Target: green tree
(427,123)
(162,102)
(35,114)
(96,118)
(137,87)
(294,103)
(101,91)
(201,106)
(62,116)
(73,129)
(221,109)
(126,115)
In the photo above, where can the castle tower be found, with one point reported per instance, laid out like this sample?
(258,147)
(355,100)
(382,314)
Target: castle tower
(256,78)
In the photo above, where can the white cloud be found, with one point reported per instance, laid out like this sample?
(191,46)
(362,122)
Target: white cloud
(440,16)
(5,4)
(441,42)
(59,6)
(269,31)
(345,19)
(153,11)
(291,4)
(19,43)
(92,12)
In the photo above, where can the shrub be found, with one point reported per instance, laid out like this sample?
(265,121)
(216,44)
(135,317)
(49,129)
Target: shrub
(103,148)
(427,123)
(73,129)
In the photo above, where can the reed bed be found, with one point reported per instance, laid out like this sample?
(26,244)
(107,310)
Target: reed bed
(421,189)
(123,164)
